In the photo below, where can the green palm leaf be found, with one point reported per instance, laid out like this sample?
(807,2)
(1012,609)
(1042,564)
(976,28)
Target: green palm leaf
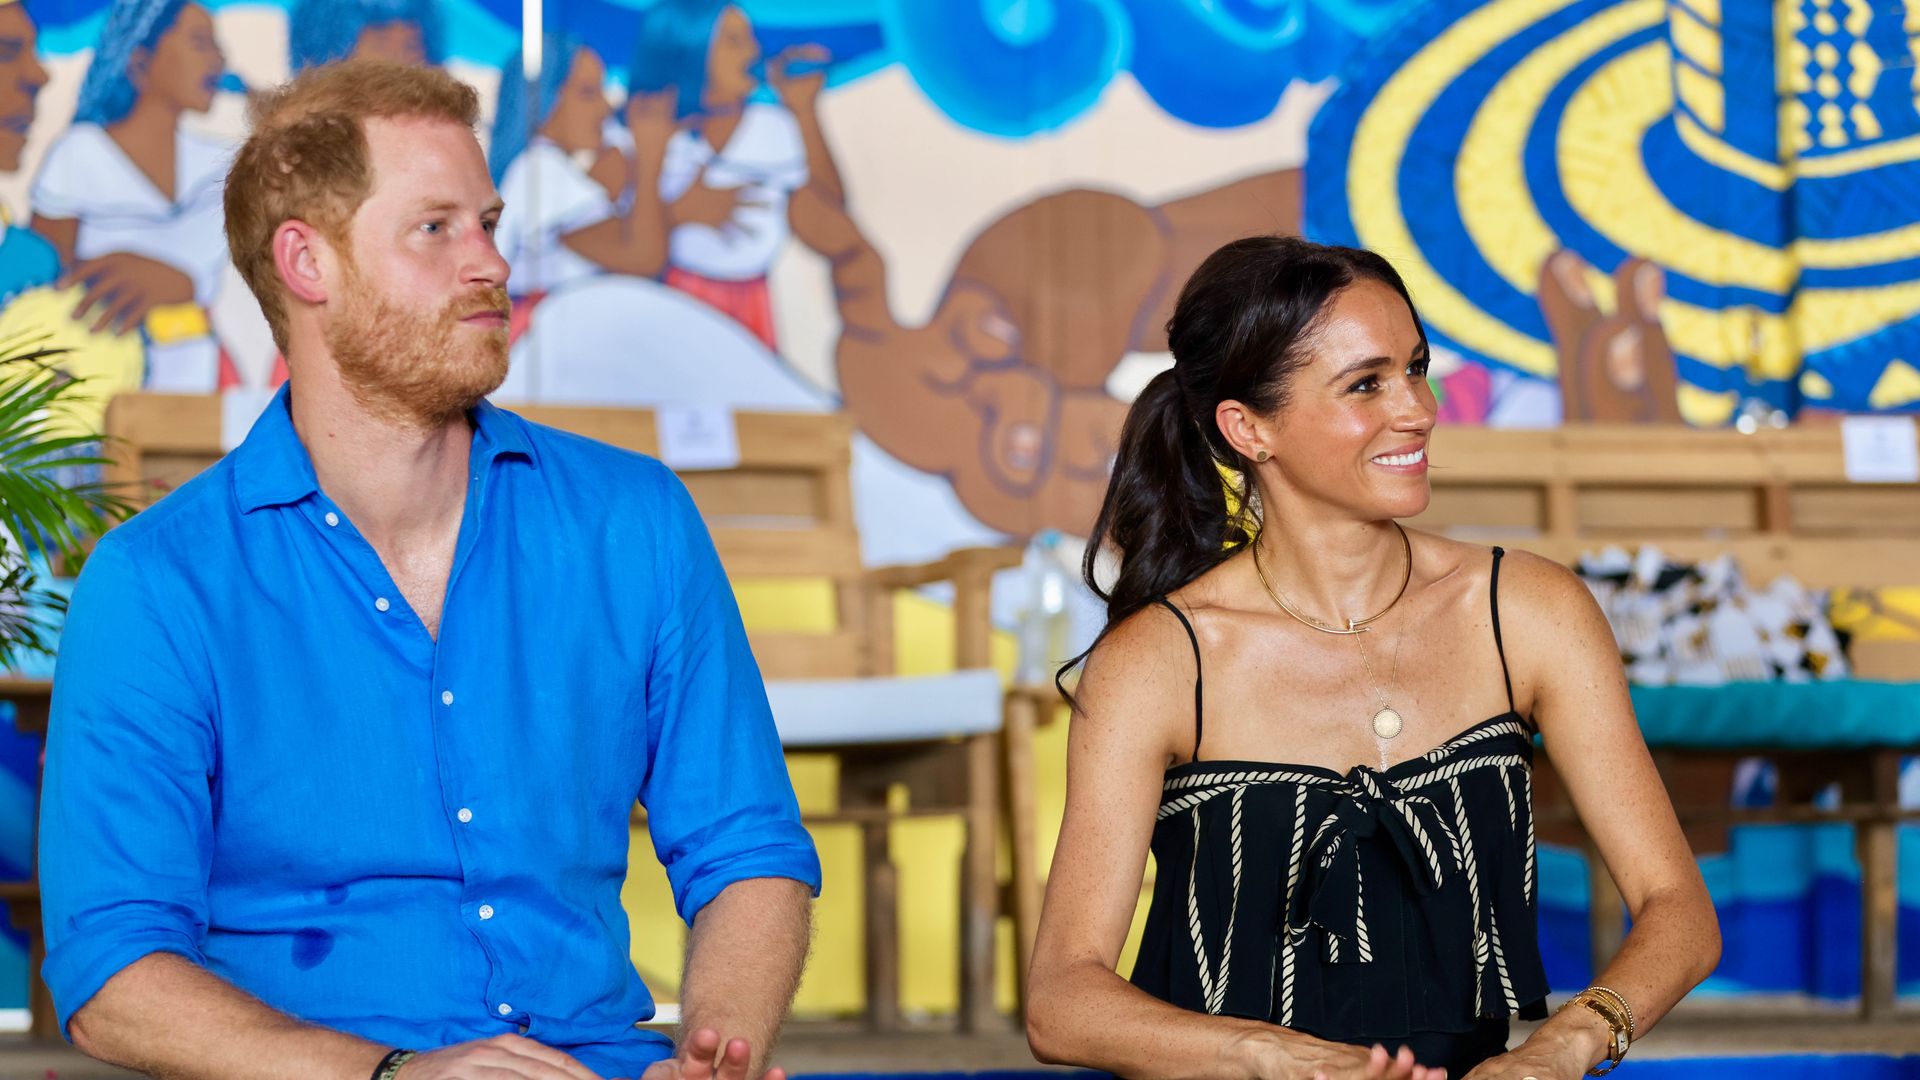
(41,507)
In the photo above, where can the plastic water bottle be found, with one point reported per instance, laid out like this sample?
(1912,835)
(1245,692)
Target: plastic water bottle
(1044,624)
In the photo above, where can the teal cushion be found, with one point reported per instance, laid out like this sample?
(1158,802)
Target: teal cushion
(1842,714)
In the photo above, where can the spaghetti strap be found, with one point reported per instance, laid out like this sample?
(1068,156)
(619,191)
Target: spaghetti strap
(1493,595)
(1195,640)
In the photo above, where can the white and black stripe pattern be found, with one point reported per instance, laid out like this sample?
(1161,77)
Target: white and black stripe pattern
(1465,832)
(1455,768)
(1193,915)
(1218,997)
(1506,788)
(1213,784)
(1360,941)
(1526,776)
(1288,944)
(1467,738)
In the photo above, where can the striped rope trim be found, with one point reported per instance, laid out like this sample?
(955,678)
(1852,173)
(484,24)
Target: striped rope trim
(1215,784)
(1218,998)
(1506,788)
(1455,768)
(1468,738)
(1193,915)
(1526,779)
(1473,893)
(1287,945)
(1360,916)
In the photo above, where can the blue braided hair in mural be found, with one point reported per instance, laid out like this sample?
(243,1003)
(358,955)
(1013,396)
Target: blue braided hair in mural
(107,94)
(671,51)
(522,108)
(322,31)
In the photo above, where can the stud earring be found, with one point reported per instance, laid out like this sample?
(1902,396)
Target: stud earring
(1261,455)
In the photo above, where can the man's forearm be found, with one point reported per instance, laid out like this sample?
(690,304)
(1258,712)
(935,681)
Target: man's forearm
(169,1018)
(744,958)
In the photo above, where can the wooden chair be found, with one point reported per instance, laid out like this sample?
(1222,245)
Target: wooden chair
(1780,502)
(785,512)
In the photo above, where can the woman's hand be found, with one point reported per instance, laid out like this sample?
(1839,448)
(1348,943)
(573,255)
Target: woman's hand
(1302,1057)
(1544,1056)
(650,117)
(799,93)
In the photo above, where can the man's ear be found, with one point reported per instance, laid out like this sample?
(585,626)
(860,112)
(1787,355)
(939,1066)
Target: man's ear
(303,259)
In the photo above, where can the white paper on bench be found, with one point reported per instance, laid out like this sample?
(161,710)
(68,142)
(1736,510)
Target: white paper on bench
(825,712)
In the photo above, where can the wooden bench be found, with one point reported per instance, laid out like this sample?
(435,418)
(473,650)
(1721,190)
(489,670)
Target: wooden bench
(784,513)
(1780,502)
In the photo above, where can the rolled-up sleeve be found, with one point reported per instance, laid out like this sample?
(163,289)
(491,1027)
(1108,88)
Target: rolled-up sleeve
(126,810)
(720,806)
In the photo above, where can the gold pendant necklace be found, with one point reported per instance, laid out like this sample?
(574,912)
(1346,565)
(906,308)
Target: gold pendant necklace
(1387,721)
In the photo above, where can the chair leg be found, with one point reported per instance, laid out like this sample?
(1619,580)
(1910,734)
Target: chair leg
(980,886)
(1017,780)
(1878,840)
(882,930)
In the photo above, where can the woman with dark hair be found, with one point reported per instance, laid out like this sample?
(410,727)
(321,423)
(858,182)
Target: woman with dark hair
(1323,730)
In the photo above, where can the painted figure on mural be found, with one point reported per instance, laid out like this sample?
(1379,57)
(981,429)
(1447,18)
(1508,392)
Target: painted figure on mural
(730,160)
(322,31)
(1004,390)
(27,260)
(131,199)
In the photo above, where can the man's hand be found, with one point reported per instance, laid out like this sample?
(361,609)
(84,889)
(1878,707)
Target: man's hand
(503,1057)
(697,1061)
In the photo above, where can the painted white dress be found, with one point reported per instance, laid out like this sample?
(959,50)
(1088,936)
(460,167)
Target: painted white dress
(547,195)
(87,177)
(767,160)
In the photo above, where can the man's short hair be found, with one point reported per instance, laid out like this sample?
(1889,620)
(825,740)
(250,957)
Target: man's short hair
(307,158)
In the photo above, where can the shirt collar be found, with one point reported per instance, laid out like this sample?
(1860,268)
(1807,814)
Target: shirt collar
(272,467)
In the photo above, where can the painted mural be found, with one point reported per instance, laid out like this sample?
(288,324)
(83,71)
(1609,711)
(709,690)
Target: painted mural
(964,222)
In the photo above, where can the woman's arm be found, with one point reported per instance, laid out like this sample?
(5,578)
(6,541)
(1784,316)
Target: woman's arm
(1567,665)
(636,243)
(1135,709)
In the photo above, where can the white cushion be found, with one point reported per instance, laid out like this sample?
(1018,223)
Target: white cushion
(902,708)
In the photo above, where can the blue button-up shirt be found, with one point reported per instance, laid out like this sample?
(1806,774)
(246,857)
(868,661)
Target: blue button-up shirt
(260,760)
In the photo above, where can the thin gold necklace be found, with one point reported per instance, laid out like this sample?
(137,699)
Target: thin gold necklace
(1354,626)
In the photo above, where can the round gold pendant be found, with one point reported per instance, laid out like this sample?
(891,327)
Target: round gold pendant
(1386,723)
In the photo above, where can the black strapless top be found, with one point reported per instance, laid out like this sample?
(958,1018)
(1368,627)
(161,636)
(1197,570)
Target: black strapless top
(1390,906)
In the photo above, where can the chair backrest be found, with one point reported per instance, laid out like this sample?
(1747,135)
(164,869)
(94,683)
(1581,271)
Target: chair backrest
(784,513)
(1778,500)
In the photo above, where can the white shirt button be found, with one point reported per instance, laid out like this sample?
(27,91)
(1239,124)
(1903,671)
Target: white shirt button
(381,604)
(505,1009)
(486,911)
(465,815)
(446,697)
(332,518)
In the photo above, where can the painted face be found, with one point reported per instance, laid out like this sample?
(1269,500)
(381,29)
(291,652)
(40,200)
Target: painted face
(730,60)
(581,108)
(399,41)
(420,329)
(185,64)
(21,78)
(1353,433)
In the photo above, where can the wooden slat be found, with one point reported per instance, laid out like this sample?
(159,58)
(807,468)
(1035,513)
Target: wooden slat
(836,655)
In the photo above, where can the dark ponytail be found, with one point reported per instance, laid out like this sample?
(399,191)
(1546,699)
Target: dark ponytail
(1238,333)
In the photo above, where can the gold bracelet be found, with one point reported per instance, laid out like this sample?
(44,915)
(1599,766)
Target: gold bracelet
(1620,1038)
(1621,1001)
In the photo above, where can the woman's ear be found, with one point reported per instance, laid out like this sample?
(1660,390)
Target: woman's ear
(137,62)
(1249,435)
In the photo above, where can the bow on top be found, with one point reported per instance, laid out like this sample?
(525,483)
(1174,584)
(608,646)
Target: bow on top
(1330,894)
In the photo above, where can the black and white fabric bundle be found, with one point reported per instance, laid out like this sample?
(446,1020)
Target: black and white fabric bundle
(1703,624)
